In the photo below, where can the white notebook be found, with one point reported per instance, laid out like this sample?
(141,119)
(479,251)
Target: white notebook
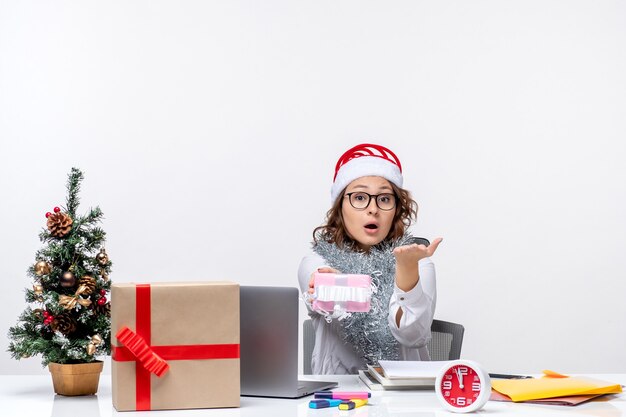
(411,369)
(399,383)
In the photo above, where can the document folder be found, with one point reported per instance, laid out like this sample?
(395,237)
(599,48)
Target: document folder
(553,385)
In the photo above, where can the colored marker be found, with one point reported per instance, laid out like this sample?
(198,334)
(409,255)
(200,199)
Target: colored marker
(324,403)
(351,404)
(343,395)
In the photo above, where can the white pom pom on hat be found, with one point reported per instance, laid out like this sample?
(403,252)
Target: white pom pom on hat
(365,160)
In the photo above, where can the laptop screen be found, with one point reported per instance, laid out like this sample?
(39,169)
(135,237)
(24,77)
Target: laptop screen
(269,344)
(269,340)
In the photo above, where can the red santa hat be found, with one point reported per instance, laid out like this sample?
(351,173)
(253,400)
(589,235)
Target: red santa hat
(365,160)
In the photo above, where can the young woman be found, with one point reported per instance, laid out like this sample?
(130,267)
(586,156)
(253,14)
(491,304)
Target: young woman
(366,233)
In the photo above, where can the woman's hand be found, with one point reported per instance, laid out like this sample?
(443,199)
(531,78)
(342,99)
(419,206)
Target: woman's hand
(411,254)
(325,269)
(407,257)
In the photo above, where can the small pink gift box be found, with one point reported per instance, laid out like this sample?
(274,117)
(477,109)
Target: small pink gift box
(346,292)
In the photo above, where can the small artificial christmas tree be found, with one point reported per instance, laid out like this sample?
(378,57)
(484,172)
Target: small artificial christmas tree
(71,322)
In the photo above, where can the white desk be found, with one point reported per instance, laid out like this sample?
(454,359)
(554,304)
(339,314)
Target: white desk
(25,396)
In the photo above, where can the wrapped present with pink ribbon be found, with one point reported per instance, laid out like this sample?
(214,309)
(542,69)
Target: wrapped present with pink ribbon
(338,294)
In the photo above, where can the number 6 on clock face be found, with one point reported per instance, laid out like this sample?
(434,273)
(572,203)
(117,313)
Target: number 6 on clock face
(462,386)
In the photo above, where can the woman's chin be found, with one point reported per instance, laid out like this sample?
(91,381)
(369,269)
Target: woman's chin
(368,241)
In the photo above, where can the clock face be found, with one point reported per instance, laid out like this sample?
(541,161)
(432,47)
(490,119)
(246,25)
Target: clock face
(462,386)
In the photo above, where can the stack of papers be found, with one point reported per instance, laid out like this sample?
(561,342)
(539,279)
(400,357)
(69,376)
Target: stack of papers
(411,369)
(402,374)
(552,388)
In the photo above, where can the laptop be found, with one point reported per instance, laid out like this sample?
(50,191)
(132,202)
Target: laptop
(269,344)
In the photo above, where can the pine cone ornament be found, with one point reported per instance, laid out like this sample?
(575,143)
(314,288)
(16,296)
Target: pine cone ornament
(59,224)
(104,309)
(63,323)
(89,282)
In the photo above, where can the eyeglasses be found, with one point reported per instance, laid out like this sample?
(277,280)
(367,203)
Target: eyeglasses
(360,200)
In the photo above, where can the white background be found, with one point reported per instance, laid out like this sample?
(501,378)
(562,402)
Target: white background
(208,133)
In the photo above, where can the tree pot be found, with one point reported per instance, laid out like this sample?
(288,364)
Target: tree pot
(75,379)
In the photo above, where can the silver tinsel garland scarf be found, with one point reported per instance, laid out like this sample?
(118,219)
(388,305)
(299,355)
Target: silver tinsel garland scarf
(368,333)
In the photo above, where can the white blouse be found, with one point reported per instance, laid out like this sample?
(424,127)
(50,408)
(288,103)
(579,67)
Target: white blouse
(332,356)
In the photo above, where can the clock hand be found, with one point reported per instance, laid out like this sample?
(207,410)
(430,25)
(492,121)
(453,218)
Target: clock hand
(460,378)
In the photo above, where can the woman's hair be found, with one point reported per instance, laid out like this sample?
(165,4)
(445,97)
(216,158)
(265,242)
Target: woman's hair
(334,230)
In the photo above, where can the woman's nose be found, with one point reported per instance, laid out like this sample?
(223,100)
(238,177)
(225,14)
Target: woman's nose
(372,207)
